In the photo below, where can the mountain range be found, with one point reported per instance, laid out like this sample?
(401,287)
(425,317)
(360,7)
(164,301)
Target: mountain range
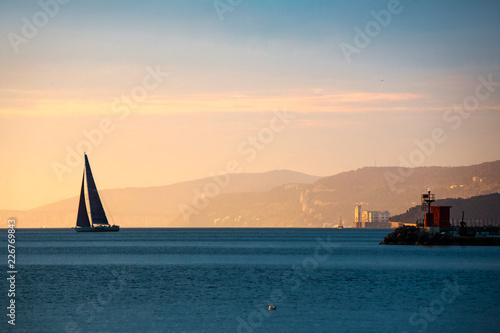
(279,198)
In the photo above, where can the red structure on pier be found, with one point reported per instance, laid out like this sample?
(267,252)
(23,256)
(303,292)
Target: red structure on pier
(441,216)
(436,216)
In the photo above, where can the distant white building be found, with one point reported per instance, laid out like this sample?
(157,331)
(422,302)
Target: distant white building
(370,219)
(376,216)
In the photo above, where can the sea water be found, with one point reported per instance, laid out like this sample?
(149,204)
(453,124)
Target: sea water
(223,280)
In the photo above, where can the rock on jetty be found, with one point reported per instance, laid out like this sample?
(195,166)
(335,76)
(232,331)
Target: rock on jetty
(409,235)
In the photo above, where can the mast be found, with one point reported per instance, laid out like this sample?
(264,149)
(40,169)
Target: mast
(82,219)
(96,209)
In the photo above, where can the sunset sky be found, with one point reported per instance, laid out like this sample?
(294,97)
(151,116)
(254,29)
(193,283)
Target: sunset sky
(159,92)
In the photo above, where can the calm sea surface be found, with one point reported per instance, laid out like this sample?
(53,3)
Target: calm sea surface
(222,280)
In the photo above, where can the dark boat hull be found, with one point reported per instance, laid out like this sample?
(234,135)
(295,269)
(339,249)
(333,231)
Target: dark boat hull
(98,229)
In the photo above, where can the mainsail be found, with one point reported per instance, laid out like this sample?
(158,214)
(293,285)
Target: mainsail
(82,219)
(96,209)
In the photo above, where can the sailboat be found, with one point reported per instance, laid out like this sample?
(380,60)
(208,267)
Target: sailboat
(99,220)
(341,223)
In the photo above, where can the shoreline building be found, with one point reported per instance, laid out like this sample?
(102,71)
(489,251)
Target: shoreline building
(358,217)
(370,219)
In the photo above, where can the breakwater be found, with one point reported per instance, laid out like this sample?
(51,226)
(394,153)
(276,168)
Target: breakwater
(410,235)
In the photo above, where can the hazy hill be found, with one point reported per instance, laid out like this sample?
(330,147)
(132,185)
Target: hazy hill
(275,199)
(156,206)
(330,199)
(484,207)
(375,189)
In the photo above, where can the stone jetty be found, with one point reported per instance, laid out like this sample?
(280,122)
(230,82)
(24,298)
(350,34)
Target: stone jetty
(411,235)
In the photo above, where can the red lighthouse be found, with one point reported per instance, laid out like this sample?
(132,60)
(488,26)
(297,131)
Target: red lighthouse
(436,216)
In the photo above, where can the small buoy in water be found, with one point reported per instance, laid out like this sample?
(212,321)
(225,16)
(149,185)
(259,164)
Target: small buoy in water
(271,307)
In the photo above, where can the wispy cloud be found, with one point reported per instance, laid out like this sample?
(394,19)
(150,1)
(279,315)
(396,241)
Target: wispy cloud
(58,103)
